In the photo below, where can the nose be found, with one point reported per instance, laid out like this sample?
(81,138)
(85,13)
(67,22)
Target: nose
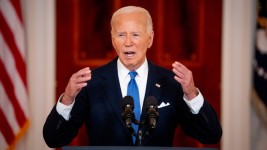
(128,41)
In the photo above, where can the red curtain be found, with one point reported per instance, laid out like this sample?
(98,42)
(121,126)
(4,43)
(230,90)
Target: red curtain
(187,31)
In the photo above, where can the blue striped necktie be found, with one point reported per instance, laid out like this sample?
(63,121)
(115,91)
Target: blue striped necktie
(132,90)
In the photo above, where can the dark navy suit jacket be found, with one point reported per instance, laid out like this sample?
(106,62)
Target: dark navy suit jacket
(99,106)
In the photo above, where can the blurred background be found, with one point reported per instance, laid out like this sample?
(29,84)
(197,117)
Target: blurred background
(224,43)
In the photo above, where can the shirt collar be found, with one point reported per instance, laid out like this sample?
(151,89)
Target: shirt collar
(141,71)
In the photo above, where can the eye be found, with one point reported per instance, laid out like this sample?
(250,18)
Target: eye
(121,34)
(136,34)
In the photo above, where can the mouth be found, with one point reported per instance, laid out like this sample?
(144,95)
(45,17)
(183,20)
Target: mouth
(129,54)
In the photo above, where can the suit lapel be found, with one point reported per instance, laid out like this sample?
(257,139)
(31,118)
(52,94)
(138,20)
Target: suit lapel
(154,86)
(112,88)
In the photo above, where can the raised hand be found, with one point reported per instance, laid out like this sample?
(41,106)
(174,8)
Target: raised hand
(185,77)
(77,81)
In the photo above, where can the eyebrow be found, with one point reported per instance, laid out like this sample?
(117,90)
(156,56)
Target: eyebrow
(130,32)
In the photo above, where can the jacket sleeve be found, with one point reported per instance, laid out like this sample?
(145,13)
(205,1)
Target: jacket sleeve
(57,131)
(204,126)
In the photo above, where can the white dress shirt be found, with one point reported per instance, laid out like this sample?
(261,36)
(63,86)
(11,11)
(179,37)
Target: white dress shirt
(141,79)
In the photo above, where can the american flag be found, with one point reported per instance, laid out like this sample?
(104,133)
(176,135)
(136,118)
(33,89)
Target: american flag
(13,83)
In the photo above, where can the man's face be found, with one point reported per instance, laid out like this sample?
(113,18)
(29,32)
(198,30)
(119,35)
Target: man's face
(131,39)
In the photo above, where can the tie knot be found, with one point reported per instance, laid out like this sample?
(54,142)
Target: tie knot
(132,74)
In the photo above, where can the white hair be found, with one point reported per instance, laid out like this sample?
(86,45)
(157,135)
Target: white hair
(131,9)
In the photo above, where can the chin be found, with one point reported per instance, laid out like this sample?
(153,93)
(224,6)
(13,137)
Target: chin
(130,66)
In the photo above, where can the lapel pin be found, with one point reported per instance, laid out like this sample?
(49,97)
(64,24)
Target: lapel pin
(157,85)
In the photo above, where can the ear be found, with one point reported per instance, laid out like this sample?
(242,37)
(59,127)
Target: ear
(151,37)
(112,39)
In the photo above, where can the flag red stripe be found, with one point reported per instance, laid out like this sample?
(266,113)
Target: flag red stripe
(9,39)
(16,5)
(6,129)
(20,116)
(12,34)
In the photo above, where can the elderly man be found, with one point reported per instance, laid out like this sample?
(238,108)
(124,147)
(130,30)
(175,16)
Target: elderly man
(95,97)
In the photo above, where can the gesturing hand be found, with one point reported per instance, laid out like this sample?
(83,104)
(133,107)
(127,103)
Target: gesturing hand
(185,77)
(77,81)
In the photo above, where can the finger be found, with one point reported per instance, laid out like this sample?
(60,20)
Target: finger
(83,72)
(179,67)
(182,81)
(178,79)
(87,74)
(83,79)
(178,73)
(78,76)
(80,86)
(73,90)
(178,64)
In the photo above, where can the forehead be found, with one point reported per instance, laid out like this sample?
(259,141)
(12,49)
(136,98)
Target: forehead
(134,20)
